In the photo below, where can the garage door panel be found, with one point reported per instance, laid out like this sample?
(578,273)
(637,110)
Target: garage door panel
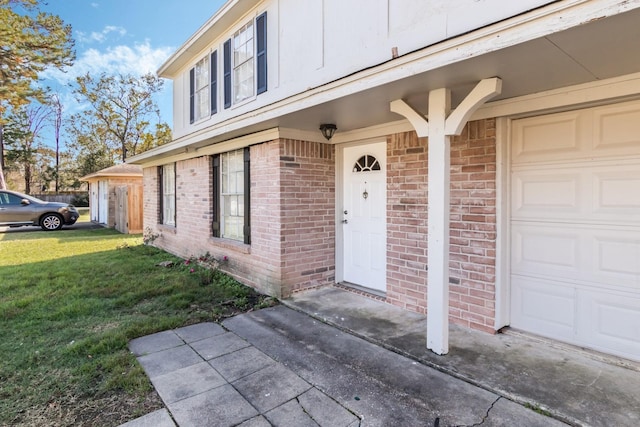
(546,307)
(607,257)
(611,321)
(561,136)
(545,250)
(547,193)
(616,130)
(616,259)
(617,193)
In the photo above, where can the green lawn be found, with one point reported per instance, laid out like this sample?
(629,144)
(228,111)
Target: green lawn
(71,300)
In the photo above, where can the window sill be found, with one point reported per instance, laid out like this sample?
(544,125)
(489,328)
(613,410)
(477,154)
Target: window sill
(243,102)
(232,245)
(167,228)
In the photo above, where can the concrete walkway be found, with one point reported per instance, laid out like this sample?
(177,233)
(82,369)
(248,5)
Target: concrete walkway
(283,367)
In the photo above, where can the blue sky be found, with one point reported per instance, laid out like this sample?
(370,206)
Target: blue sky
(127,36)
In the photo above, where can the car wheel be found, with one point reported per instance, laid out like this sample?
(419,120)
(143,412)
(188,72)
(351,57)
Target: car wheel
(50,222)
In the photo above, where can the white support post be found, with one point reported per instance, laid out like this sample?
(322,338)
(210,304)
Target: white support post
(440,126)
(438,223)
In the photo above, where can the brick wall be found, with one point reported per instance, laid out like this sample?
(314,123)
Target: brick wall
(307,173)
(292,215)
(150,203)
(407,221)
(472,226)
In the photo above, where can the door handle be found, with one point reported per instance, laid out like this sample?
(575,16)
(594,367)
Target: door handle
(345,221)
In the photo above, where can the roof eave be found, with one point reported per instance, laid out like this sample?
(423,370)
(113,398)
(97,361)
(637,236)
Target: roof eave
(220,22)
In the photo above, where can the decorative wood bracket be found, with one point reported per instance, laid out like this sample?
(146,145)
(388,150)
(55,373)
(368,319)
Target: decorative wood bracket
(455,122)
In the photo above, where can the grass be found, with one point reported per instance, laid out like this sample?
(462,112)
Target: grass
(69,303)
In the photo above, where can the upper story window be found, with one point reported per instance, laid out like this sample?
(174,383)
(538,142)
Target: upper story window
(203,88)
(245,62)
(244,71)
(243,66)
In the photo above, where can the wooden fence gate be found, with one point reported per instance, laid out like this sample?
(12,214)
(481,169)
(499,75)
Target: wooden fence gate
(129,209)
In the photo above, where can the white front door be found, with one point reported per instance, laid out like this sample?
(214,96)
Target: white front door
(364,215)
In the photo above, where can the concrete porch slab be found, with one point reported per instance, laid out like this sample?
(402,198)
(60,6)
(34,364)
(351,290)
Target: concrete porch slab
(574,385)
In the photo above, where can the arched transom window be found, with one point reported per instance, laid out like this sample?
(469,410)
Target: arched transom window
(366,163)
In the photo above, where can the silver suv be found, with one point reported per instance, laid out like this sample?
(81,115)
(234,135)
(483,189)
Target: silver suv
(18,209)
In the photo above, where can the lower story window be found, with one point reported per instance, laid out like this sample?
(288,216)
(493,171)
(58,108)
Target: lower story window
(231,195)
(168,194)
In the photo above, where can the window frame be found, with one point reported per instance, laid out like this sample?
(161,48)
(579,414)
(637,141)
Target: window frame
(258,57)
(243,60)
(162,195)
(218,197)
(206,86)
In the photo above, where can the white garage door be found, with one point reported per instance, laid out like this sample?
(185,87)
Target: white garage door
(575,227)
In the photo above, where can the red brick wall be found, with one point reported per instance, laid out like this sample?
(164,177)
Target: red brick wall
(473,224)
(292,216)
(307,185)
(407,221)
(150,204)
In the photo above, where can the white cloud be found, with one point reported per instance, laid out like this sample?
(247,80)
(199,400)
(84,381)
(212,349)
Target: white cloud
(137,59)
(100,36)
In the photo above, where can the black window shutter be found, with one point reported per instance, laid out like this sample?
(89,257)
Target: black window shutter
(175,196)
(161,197)
(214,82)
(216,196)
(192,95)
(261,53)
(227,73)
(247,198)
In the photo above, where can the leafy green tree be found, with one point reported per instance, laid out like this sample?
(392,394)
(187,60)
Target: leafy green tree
(90,145)
(122,111)
(30,42)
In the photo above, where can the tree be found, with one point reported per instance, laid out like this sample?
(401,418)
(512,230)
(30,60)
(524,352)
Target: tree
(22,132)
(122,108)
(30,42)
(57,109)
(91,145)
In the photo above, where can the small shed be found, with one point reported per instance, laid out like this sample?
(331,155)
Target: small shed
(115,197)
